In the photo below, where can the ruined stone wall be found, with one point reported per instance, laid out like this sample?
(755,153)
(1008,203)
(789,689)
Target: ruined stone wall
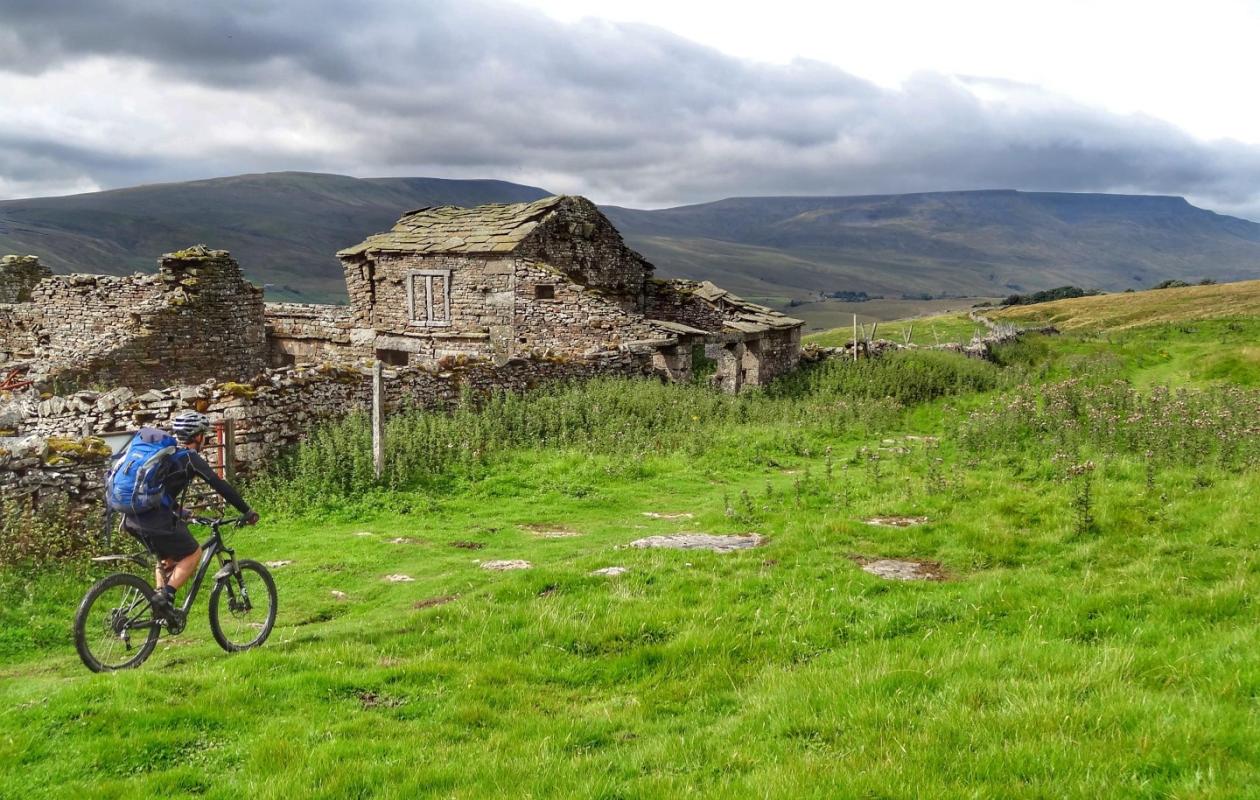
(33,473)
(310,333)
(196,318)
(283,405)
(18,275)
(668,302)
(577,320)
(580,241)
(18,323)
(779,353)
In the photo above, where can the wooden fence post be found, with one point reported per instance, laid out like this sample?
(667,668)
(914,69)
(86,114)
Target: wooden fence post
(855,337)
(378,420)
(229,450)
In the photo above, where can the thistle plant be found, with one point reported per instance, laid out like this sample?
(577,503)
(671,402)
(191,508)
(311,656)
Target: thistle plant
(1082,475)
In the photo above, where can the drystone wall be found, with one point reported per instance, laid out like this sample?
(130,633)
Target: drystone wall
(18,275)
(18,325)
(197,317)
(310,333)
(669,302)
(275,411)
(38,472)
(779,353)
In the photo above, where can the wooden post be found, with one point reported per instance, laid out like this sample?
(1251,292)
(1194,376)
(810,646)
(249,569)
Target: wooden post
(855,337)
(229,450)
(874,327)
(378,420)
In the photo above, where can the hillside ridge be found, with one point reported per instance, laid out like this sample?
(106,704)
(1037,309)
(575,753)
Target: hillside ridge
(285,226)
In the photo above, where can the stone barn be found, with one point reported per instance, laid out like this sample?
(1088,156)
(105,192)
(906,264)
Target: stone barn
(547,278)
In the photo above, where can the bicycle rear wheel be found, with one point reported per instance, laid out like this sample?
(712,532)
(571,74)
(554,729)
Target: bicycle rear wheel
(243,607)
(114,627)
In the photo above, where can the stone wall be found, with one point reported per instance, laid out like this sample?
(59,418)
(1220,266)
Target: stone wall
(310,333)
(667,301)
(779,353)
(18,275)
(473,309)
(283,405)
(196,318)
(39,472)
(576,320)
(580,241)
(18,325)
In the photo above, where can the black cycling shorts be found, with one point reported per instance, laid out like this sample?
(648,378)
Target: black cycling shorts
(162,532)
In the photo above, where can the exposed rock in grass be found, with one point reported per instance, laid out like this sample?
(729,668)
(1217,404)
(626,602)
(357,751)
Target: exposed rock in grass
(371,699)
(551,531)
(435,601)
(896,569)
(464,544)
(399,578)
(611,572)
(895,522)
(401,540)
(504,566)
(668,516)
(337,595)
(364,533)
(276,564)
(702,541)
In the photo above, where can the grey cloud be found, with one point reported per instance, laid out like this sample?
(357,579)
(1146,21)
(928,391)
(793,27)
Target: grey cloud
(625,113)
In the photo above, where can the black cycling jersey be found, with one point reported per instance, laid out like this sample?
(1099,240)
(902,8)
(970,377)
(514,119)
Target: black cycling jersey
(161,529)
(190,465)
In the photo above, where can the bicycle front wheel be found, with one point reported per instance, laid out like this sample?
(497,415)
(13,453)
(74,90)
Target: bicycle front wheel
(243,607)
(114,627)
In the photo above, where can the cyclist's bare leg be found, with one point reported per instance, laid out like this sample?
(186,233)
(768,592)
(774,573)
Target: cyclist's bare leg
(184,568)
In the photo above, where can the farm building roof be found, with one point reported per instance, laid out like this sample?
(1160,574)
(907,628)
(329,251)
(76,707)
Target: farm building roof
(488,229)
(744,316)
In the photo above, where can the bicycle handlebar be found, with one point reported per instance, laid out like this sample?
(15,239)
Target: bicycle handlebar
(218,522)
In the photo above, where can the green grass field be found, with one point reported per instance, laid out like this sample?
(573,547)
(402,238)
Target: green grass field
(1095,635)
(927,330)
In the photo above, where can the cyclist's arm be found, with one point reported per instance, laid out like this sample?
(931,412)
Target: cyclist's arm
(207,474)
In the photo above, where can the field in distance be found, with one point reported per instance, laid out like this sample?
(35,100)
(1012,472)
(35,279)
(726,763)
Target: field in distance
(1132,309)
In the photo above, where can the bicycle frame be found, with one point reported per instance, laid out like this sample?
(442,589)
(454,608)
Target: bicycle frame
(210,548)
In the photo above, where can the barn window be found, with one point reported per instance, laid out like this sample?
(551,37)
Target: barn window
(545,291)
(429,296)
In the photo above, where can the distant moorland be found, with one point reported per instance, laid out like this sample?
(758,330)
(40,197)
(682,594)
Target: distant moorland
(285,227)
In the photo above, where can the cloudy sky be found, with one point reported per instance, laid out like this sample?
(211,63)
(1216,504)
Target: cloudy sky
(646,103)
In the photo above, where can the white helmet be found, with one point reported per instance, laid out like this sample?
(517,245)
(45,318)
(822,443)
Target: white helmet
(188,425)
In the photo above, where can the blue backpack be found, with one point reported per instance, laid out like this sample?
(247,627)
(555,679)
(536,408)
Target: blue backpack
(135,483)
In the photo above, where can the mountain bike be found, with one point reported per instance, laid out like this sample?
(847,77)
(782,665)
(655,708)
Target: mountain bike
(117,624)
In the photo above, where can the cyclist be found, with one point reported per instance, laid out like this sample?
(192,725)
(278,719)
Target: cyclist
(163,530)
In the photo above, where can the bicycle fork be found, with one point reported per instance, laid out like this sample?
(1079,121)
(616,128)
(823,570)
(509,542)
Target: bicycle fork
(230,576)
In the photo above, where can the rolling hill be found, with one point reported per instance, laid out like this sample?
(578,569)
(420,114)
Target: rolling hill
(964,243)
(284,228)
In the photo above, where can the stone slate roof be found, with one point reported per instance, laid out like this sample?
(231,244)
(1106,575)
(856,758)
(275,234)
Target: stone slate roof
(494,228)
(747,317)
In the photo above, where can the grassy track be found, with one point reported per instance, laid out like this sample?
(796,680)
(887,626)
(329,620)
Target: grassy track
(1095,638)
